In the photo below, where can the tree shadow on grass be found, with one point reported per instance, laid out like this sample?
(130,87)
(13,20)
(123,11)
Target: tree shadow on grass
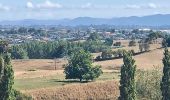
(68,81)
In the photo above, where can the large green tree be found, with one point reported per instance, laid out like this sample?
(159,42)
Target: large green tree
(165,84)
(80,67)
(127,81)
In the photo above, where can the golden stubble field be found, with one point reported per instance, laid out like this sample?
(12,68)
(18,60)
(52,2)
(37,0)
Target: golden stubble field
(37,77)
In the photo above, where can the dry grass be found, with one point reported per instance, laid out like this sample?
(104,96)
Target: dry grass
(37,74)
(108,90)
(41,64)
(34,77)
(144,61)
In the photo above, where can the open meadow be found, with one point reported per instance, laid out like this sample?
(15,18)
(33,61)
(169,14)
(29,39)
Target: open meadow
(38,77)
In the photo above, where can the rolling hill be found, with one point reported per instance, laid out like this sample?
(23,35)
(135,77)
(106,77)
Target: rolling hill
(151,20)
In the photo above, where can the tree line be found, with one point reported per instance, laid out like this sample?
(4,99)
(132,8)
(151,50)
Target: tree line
(57,49)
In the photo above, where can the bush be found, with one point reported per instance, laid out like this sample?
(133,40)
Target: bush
(132,43)
(19,96)
(118,53)
(109,41)
(106,54)
(117,44)
(148,84)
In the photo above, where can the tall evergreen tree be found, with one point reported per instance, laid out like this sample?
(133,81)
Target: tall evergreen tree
(7,78)
(165,84)
(127,81)
(1,65)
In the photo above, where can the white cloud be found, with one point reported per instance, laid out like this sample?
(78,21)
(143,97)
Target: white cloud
(152,5)
(4,8)
(46,5)
(133,7)
(88,5)
(30,5)
(147,6)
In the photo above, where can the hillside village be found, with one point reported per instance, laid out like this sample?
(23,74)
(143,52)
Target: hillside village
(17,35)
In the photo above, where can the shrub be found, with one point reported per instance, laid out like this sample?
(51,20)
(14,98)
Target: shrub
(118,53)
(106,54)
(117,44)
(109,41)
(132,43)
(19,96)
(148,84)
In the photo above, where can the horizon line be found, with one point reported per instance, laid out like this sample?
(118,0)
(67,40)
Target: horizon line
(82,17)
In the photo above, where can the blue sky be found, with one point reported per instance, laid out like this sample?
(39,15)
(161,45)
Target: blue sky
(59,9)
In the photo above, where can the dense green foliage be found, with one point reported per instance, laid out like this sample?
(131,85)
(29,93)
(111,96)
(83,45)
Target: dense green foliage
(148,84)
(109,54)
(55,49)
(80,67)
(165,84)
(19,53)
(7,77)
(109,41)
(127,81)
(166,41)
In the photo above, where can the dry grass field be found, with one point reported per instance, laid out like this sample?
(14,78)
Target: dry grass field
(143,61)
(91,91)
(38,78)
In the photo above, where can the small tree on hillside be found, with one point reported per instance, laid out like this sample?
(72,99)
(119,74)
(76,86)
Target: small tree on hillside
(80,67)
(132,43)
(109,41)
(144,47)
(165,84)
(127,81)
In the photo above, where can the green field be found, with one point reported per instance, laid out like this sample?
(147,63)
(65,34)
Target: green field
(53,81)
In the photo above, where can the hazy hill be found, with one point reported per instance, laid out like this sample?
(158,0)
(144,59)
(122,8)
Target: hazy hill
(152,20)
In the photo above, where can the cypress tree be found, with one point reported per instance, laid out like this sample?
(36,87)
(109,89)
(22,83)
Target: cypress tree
(7,79)
(127,81)
(165,84)
(1,65)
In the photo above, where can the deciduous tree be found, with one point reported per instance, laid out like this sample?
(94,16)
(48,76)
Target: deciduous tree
(80,67)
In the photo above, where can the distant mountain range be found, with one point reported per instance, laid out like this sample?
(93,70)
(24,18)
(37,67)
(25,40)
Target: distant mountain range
(152,20)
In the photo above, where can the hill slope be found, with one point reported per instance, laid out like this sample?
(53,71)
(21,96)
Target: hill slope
(151,20)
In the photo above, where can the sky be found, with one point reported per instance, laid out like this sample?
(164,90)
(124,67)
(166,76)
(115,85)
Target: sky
(60,9)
